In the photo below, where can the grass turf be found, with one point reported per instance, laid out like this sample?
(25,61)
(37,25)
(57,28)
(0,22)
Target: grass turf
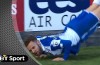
(86,56)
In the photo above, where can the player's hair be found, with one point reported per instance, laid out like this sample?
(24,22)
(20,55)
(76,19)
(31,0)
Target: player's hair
(30,38)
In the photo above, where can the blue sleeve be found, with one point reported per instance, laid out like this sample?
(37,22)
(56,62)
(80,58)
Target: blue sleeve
(66,48)
(75,49)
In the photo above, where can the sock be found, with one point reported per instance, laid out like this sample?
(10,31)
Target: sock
(96,2)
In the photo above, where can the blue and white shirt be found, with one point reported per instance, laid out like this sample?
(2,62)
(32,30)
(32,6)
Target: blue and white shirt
(60,44)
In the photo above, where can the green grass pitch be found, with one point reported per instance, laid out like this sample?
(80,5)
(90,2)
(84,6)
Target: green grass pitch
(87,56)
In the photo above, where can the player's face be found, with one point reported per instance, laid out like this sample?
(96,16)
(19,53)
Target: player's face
(34,48)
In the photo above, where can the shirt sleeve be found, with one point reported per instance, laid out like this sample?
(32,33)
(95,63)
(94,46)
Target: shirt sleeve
(66,48)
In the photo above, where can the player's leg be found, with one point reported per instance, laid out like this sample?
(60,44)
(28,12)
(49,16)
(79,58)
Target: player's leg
(92,7)
(75,49)
(96,2)
(84,12)
(84,25)
(97,12)
(79,17)
(85,36)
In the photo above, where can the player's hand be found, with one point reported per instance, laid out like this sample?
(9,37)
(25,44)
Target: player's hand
(43,56)
(58,59)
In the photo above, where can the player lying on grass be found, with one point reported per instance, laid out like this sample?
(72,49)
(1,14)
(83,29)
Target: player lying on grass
(75,32)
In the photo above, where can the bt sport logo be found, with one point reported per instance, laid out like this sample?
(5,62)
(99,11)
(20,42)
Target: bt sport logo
(13,58)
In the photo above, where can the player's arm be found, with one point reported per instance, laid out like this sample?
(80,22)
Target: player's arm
(66,49)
